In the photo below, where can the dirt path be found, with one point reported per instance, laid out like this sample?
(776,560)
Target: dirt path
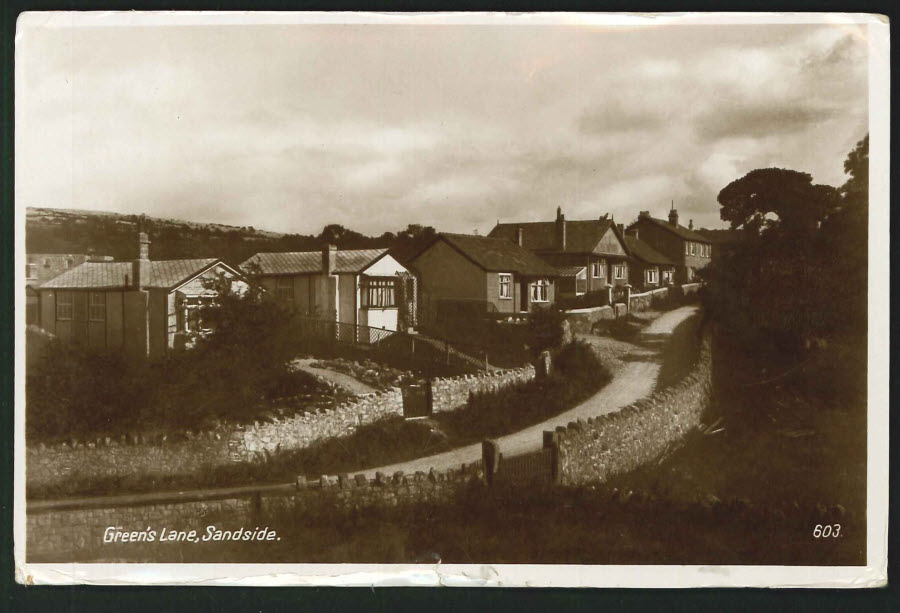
(634,381)
(351,384)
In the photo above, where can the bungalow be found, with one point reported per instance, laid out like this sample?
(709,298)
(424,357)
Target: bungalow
(40,268)
(145,308)
(649,268)
(362,287)
(594,244)
(479,275)
(689,250)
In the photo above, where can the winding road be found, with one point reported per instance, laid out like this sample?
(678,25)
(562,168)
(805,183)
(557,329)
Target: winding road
(634,381)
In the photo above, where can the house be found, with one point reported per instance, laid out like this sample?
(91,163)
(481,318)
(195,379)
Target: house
(145,308)
(363,287)
(597,245)
(689,250)
(463,274)
(649,268)
(40,268)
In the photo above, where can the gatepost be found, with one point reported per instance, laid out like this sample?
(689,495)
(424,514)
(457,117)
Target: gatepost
(490,459)
(551,441)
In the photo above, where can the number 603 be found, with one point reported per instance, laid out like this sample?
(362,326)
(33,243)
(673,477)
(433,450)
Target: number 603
(827,531)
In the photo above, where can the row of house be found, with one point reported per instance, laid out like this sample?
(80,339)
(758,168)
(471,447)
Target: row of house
(149,307)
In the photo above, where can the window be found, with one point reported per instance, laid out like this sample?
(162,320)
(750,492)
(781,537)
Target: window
(620,271)
(65,305)
(653,275)
(68,263)
(667,276)
(597,270)
(505,286)
(284,288)
(193,313)
(540,291)
(693,247)
(97,309)
(46,262)
(687,249)
(378,293)
(30,271)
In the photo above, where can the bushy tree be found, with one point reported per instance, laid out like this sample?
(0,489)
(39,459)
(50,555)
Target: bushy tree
(799,273)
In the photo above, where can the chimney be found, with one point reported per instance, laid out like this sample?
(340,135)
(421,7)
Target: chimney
(644,214)
(673,215)
(519,235)
(329,255)
(140,268)
(560,230)
(621,228)
(690,224)
(633,232)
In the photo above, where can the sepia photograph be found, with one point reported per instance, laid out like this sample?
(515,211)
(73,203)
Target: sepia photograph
(545,299)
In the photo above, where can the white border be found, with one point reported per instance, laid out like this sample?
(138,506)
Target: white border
(530,575)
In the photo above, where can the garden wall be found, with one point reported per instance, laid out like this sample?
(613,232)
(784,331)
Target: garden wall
(583,320)
(643,302)
(622,441)
(106,458)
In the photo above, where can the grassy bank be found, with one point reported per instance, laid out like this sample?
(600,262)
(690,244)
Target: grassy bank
(578,375)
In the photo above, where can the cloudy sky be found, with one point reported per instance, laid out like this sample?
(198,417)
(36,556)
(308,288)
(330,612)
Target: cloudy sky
(291,127)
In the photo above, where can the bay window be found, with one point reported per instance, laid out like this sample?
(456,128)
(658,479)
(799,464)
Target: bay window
(378,293)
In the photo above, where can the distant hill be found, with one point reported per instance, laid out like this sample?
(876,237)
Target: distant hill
(50,230)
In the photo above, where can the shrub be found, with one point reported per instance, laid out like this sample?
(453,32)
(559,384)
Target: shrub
(546,329)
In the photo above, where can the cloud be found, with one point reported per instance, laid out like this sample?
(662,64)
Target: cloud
(760,119)
(290,128)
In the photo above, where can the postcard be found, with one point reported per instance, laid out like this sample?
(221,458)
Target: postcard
(463,299)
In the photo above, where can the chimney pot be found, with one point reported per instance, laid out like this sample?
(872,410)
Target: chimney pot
(560,230)
(690,224)
(141,266)
(673,217)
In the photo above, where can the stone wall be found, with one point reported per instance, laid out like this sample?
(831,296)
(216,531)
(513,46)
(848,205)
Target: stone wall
(618,442)
(583,320)
(643,302)
(107,458)
(77,533)
(453,393)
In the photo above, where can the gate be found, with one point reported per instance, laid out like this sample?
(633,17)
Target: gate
(417,400)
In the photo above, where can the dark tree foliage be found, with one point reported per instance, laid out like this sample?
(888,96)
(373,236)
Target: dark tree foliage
(799,273)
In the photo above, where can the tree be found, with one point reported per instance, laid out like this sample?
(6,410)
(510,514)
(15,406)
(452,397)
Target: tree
(799,205)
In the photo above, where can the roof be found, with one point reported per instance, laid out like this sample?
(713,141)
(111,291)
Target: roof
(497,255)
(722,237)
(582,236)
(685,233)
(644,252)
(164,274)
(309,262)
(570,271)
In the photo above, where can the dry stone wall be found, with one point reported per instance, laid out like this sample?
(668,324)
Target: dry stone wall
(593,451)
(105,459)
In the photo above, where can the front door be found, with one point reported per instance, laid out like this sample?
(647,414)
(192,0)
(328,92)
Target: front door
(524,296)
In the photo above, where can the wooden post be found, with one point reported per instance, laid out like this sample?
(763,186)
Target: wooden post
(551,442)
(490,459)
